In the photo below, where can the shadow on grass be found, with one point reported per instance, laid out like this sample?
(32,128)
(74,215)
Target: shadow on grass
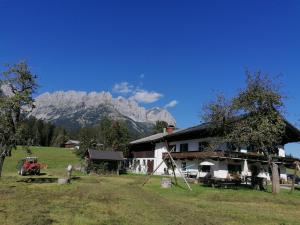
(38,180)
(42,180)
(180,186)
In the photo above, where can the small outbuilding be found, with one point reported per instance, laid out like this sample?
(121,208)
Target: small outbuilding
(72,144)
(104,161)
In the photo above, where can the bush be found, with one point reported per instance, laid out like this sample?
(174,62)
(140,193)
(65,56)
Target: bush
(103,167)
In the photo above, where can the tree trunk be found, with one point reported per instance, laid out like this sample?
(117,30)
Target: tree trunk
(2,158)
(275,179)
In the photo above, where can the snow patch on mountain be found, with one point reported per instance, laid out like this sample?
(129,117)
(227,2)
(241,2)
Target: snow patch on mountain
(60,104)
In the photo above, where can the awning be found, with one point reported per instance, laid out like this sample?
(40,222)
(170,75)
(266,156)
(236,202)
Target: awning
(245,171)
(262,175)
(206,163)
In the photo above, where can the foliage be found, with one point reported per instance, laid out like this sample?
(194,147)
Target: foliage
(159,126)
(262,125)
(217,111)
(253,117)
(59,137)
(17,87)
(107,135)
(103,167)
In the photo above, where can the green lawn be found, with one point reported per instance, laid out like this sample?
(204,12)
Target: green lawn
(122,200)
(56,159)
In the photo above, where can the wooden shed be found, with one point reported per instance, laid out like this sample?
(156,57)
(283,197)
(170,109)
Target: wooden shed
(104,161)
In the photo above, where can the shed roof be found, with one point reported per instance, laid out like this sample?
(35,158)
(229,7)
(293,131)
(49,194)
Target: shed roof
(69,142)
(106,155)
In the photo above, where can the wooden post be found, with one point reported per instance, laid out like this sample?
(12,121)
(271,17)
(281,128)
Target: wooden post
(173,161)
(70,169)
(275,179)
(294,178)
(150,175)
(119,167)
(172,165)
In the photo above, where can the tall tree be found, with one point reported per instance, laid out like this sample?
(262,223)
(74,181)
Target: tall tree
(107,135)
(253,118)
(119,136)
(17,87)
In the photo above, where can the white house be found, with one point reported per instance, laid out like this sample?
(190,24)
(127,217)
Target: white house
(190,149)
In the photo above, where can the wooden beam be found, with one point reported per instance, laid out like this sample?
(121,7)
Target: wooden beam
(172,165)
(150,175)
(180,171)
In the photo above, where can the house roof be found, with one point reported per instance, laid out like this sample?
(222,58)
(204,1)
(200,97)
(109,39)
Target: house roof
(106,155)
(292,134)
(152,138)
(69,142)
(160,136)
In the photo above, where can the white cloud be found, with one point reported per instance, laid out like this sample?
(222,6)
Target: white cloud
(123,88)
(171,104)
(143,96)
(136,93)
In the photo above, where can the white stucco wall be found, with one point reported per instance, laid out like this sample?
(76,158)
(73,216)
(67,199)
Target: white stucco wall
(281,151)
(193,145)
(160,148)
(141,168)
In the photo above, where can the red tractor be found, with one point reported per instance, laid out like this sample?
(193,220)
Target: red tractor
(29,165)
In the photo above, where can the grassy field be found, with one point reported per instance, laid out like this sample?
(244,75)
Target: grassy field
(121,200)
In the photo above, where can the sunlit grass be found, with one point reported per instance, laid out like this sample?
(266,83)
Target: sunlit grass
(122,200)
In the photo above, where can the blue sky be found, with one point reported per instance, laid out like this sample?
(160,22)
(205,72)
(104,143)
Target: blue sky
(167,50)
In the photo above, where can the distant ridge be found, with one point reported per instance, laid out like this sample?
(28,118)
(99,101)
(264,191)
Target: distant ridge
(75,109)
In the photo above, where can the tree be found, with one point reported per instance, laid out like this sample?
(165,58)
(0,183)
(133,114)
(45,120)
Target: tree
(17,87)
(119,136)
(218,112)
(107,135)
(159,126)
(59,137)
(87,139)
(253,118)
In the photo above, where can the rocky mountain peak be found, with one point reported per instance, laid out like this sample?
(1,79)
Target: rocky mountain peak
(88,108)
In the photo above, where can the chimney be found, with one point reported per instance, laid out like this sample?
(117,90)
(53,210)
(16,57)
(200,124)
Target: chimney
(170,129)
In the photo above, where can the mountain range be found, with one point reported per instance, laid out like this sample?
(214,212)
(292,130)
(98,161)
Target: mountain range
(74,109)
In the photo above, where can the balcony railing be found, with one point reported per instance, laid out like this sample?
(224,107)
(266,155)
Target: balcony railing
(143,154)
(228,155)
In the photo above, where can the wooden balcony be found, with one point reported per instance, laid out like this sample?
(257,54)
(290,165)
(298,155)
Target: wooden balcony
(229,155)
(143,154)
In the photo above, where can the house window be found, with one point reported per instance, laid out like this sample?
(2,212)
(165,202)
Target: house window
(172,147)
(203,146)
(205,169)
(184,147)
(231,147)
(232,168)
(183,166)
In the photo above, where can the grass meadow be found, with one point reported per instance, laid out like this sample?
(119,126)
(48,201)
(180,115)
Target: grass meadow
(122,199)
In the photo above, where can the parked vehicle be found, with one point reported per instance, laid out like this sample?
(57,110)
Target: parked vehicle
(29,165)
(191,173)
